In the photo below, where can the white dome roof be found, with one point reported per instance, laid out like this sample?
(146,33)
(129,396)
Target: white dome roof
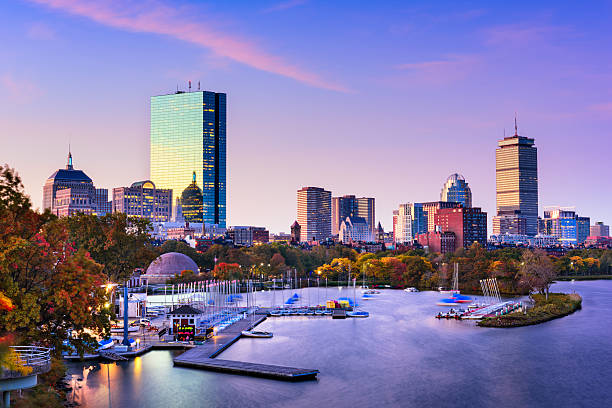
(172,263)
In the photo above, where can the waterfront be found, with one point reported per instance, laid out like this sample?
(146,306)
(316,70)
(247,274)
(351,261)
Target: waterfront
(400,356)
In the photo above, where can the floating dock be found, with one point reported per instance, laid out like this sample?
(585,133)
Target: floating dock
(203,357)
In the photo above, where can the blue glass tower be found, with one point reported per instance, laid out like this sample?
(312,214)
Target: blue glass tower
(456,190)
(188,135)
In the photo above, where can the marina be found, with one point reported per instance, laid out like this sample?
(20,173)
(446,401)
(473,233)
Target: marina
(404,350)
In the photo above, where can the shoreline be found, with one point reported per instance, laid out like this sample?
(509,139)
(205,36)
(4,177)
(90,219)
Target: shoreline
(558,305)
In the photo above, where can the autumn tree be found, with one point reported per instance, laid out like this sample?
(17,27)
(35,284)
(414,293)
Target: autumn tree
(228,271)
(537,271)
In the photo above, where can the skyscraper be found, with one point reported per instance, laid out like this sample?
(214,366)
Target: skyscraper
(350,206)
(188,134)
(565,224)
(468,224)
(516,170)
(456,190)
(314,213)
(411,221)
(68,191)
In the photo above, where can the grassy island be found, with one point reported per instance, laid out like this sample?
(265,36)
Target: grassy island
(557,305)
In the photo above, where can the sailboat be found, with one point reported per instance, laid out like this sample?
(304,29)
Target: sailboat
(456,298)
(251,332)
(354,312)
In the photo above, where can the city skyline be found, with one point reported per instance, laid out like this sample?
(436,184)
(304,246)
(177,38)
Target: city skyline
(540,82)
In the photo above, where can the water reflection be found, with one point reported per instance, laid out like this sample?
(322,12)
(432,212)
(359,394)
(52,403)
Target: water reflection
(400,356)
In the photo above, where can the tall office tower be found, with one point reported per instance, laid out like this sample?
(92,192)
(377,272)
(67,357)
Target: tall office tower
(342,207)
(314,213)
(431,208)
(188,134)
(82,190)
(366,210)
(456,190)
(468,224)
(600,230)
(411,221)
(350,206)
(516,171)
(143,199)
(395,217)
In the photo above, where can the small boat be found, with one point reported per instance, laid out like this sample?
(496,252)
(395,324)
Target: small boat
(276,313)
(357,313)
(411,290)
(105,344)
(319,312)
(119,329)
(256,334)
(448,302)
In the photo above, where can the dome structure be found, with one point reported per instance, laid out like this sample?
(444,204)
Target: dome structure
(172,263)
(456,190)
(192,202)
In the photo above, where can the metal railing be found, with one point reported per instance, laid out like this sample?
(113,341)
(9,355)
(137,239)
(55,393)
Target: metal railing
(38,358)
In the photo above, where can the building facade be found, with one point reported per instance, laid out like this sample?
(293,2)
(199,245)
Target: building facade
(436,241)
(351,206)
(296,232)
(564,224)
(354,229)
(314,213)
(188,133)
(81,189)
(191,202)
(456,190)
(516,175)
(468,224)
(411,221)
(431,208)
(143,199)
(599,230)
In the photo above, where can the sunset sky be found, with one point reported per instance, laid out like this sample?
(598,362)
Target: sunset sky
(381,99)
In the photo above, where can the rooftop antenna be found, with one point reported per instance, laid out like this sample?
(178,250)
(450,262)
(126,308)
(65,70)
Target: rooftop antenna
(176,88)
(515,126)
(198,85)
(504,133)
(69,164)
(190,86)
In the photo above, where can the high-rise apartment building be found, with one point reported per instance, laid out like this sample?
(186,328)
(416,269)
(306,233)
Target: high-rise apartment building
(600,230)
(188,134)
(411,221)
(351,206)
(143,199)
(516,171)
(564,224)
(468,224)
(457,190)
(431,208)
(314,213)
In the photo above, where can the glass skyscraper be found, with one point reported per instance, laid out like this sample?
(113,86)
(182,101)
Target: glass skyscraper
(516,170)
(456,190)
(188,135)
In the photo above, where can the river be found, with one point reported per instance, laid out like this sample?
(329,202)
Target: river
(401,356)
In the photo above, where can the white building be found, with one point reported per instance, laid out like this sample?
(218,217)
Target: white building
(354,229)
(411,221)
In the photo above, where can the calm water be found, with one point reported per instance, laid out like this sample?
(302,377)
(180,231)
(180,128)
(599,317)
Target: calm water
(400,356)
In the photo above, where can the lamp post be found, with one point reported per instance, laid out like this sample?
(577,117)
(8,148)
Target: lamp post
(126,341)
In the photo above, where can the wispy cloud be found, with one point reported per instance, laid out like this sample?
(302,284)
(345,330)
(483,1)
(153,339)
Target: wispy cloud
(523,34)
(18,89)
(285,5)
(604,108)
(40,31)
(150,16)
(442,71)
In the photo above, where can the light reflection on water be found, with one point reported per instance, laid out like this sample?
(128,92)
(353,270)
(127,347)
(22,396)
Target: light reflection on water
(400,356)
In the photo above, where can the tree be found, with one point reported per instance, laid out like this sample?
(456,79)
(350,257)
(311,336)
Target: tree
(537,271)
(228,271)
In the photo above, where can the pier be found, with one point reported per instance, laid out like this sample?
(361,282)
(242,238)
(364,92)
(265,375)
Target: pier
(203,357)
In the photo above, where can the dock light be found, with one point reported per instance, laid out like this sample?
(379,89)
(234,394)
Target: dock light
(106,305)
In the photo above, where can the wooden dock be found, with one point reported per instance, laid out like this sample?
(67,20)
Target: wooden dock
(339,314)
(203,357)
(251,369)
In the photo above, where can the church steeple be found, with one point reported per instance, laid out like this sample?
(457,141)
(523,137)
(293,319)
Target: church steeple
(69,164)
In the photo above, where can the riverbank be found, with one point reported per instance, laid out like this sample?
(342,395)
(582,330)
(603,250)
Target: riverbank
(557,305)
(583,277)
